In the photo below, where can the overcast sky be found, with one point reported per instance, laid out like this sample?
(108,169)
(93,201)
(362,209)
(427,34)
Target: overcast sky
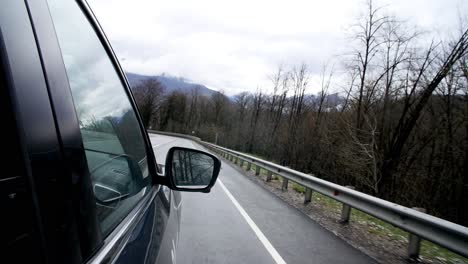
(235,45)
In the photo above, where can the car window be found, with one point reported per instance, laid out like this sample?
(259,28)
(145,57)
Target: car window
(114,144)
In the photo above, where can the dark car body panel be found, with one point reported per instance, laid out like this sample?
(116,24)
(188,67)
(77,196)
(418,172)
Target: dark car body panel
(66,227)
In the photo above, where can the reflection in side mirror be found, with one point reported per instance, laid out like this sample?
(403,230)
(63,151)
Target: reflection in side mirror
(191,170)
(107,196)
(116,178)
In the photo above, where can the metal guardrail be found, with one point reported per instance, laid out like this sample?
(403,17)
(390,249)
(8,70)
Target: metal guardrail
(420,225)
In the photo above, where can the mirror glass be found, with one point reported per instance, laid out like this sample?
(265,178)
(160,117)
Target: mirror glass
(192,169)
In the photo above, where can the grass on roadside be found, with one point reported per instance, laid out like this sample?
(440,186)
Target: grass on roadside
(298,188)
(263,172)
(381,228)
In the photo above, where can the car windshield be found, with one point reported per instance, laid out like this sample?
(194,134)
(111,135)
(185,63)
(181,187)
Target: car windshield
(341,125)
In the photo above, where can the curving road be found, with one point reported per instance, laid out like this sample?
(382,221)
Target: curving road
(241,222)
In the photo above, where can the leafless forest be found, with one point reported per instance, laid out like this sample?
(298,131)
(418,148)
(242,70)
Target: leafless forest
(397,130)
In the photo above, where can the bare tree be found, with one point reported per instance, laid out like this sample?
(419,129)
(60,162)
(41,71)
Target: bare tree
(323,94)
(219,106)
(414,107)
(300,77)
(192,114)
(396,43)
(149,95)
(242,102)
(257,104)
(368,32)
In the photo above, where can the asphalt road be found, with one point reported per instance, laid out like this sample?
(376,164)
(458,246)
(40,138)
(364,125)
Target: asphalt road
(241,222)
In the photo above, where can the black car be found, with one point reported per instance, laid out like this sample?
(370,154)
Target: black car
(79,181)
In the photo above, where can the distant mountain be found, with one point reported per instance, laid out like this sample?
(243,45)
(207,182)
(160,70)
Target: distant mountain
(332,101)
(170,83)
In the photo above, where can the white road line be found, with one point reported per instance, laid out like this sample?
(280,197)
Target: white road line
(269,247)
(161,144)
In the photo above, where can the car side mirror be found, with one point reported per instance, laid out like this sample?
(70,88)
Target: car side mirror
(191,170)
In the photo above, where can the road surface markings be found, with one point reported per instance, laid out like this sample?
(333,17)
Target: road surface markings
(162,144)
(269,247)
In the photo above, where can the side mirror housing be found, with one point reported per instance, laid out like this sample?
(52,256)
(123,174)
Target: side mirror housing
(191,170)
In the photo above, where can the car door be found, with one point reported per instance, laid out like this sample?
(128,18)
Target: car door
(121,214)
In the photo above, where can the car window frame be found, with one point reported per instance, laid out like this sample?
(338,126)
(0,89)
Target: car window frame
(108,217)
(86,9)
(25,170)
(99,248)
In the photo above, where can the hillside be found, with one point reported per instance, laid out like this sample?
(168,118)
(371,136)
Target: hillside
(170,83)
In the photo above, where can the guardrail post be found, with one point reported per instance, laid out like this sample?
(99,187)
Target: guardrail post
(346,210)
(249,165)
(308,196)
(284,187)
(241,163)
(257,170)
(414,241)
(269,174)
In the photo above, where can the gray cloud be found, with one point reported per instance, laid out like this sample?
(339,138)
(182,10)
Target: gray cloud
(235,45)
